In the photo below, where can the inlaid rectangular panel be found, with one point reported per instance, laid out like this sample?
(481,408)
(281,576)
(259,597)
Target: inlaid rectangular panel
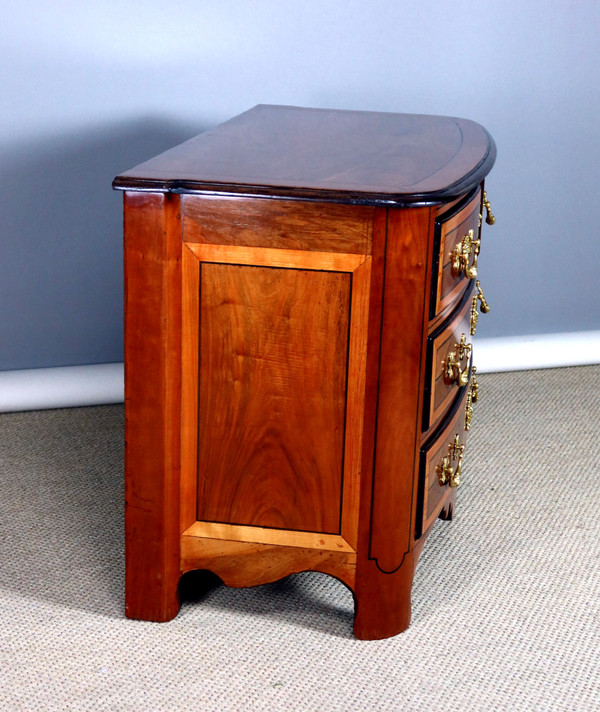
(273,357)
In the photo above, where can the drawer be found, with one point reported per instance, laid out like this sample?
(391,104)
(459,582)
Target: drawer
(454,230)
(441,467)
(447,364)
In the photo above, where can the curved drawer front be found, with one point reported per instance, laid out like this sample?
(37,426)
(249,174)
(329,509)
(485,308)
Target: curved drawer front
(451,229)
(441,468)
(448,358)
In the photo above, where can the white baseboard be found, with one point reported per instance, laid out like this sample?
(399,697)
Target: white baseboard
(525,353)
(68,386)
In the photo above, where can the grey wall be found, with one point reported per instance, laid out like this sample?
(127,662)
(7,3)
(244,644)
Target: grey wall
(90,89)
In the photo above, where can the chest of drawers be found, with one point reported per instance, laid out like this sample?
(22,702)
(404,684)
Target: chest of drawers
(301,287)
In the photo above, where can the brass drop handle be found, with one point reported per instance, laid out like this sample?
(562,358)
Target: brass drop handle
(461,255)
(445,471)
(455,481)
(489,218)
(448,475)
(485,307)
(472,397)
(471,270)
(474,389)
(452,365)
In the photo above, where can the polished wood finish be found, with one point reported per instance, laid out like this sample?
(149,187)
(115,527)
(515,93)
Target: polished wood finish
(325,155)
(387,557)
(268,257)
(287,320)
(438,497)
(307,270)
(266,400)
(451,227)
(152,403)
(262,535)
(281,224)
(240,564)
(440,392)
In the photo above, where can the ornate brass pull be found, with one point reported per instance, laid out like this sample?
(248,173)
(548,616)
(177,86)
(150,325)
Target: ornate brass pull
(445,471)
(453,369)
(472,397)
(448,475)
(461,254)
(485,307)
(489,218)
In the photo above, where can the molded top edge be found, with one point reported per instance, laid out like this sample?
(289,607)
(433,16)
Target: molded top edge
(362,157)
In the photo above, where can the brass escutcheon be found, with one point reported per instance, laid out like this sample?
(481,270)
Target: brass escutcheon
(452,365)
(448,475)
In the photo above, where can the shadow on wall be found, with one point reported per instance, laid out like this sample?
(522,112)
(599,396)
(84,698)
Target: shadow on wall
(61,277)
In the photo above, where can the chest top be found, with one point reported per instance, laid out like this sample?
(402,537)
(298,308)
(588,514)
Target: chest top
(359,157)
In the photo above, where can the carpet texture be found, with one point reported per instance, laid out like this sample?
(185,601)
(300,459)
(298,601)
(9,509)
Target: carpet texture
(506,598)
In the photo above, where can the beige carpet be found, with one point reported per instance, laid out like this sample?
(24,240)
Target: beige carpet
(506,600)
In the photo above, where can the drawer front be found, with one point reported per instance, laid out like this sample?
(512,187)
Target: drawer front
(448,359)
(454,231)
(441,467)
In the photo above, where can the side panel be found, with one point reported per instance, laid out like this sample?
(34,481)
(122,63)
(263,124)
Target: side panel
(274,352)
(272,396)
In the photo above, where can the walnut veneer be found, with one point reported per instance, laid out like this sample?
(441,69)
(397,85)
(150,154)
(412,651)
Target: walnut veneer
(297,285)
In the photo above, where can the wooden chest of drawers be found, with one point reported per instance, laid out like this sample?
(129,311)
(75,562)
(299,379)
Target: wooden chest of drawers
(300,293)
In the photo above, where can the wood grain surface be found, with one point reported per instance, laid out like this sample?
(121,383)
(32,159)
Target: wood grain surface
(405,301)
(283,224)
(273,257)
(289,303)
(450,230)
(241,564)
(262,535)
(436,497)
(152,404)
(272,396)
(347,157)
(440,391)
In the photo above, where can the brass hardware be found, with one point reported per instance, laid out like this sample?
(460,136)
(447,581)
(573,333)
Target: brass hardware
(472,397)
(485,307)
(468,413)
(471,271)
(448,475)
(490,219)
(452,364)
(474,316)
(456,449)
(462,252)
(474,385)
(445,471)
(455,481)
